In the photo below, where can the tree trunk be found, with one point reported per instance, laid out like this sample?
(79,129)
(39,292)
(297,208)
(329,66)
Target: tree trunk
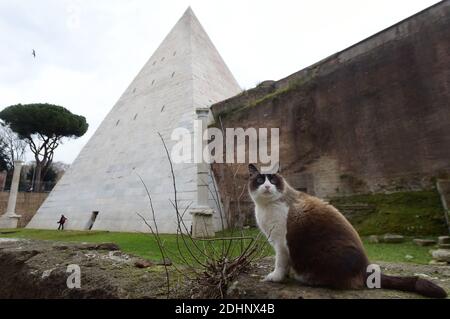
(37,177)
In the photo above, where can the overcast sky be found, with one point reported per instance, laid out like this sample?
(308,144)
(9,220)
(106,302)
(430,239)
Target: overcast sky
(89,51)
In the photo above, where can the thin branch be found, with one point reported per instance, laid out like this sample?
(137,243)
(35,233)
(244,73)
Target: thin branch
(157,233)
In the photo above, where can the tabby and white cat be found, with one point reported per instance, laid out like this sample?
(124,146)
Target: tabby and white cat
(315,241)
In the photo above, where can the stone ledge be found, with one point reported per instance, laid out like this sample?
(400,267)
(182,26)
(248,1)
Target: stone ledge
(249,285)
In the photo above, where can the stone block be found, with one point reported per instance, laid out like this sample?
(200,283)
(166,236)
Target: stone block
(393,239)
(202,223)
(441,255)
(424,242)
(443,240)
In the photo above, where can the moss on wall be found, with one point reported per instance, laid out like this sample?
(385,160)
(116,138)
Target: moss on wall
(406,213)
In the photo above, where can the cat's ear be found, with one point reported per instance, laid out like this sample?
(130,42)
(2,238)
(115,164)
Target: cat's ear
(252,170)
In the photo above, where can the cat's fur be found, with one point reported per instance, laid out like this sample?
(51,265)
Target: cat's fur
(313,239)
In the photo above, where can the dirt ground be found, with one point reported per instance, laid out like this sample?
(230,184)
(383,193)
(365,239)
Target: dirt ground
(38,269)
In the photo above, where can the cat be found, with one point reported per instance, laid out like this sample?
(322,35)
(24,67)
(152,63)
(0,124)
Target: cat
(315,242)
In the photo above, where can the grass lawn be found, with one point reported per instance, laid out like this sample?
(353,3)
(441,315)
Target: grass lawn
(398,252)
(145,245)
(140,244)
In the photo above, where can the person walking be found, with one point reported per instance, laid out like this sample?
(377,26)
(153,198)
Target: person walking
(61,222)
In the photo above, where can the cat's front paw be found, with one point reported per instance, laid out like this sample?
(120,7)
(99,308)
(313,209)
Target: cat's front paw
(275,276)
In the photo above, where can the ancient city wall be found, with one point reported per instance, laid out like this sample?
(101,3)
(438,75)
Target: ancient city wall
(374,117)
(27,205)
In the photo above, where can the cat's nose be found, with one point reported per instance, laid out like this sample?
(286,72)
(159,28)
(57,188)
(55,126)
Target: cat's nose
(267,187)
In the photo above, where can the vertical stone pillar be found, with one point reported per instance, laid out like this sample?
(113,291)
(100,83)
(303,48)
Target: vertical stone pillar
(202,214)
(10,219)
(443,187)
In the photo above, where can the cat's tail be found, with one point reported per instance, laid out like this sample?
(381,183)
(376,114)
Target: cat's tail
(413,284)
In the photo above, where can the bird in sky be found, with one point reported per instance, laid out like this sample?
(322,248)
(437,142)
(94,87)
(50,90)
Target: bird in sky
(34,53)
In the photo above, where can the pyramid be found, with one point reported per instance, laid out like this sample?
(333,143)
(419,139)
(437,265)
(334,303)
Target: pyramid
(185,73)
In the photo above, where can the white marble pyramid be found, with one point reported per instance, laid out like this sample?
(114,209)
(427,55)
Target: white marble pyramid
(186,72)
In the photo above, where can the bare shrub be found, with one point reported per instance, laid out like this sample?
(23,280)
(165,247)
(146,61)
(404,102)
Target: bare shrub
(209,265)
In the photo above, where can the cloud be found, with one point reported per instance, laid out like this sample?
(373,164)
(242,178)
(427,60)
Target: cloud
(89,51)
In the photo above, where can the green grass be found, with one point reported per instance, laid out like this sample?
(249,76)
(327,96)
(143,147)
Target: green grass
(398,252)
(145,245)
(136,243)
(141,244)
(406,213)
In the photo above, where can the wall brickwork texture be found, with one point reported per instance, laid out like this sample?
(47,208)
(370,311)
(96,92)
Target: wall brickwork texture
(372,118)
(27,205)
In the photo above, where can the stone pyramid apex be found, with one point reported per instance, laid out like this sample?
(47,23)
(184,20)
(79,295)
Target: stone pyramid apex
(201,58)
(189,11)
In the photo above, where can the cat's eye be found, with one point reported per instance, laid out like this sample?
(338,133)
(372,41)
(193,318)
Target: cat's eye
(273,179)
(260,180)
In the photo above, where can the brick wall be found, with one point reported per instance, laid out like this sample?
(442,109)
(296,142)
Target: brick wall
(374,117)
(27,205)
